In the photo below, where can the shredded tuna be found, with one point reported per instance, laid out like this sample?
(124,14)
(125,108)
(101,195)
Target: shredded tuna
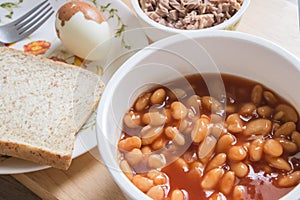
(190,14)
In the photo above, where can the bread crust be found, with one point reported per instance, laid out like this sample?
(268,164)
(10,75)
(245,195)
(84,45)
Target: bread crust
(40,154)
(37,155)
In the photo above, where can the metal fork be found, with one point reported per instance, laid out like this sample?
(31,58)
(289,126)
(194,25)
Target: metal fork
(26,24)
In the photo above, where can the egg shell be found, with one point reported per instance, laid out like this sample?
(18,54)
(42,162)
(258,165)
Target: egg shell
(85,38)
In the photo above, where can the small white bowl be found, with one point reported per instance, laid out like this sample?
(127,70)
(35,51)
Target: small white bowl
(206,52)
(156,31)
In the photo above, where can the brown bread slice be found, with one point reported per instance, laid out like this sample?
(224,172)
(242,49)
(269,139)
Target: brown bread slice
(43,104)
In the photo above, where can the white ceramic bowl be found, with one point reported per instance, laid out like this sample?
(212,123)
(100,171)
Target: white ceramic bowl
(156,31)
(207,52)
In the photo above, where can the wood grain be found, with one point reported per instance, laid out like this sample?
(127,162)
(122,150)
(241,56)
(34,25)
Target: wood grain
(87,178)
(12,189)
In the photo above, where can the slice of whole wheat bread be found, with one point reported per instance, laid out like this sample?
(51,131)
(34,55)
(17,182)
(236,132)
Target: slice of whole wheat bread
(43,104)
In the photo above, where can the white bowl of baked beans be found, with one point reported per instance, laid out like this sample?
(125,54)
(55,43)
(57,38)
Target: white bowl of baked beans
(162,18)
(212,115)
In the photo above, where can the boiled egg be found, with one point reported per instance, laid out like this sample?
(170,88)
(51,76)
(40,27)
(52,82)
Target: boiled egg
(83,30)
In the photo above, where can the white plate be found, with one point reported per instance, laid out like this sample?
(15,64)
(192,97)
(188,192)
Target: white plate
(133,36)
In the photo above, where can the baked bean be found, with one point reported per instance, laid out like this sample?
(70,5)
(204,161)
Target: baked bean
(211,104)
(196,169)
(143,183)
(178,110)
(146,150)
(278,163)
(145,129)
(256,94)
(296,138)
(239,168)
(288,146)
(290,113)
(275,126)
(170,132)
(173,134)
(158,96)
(270,98)
(264,111)
(190,156)
(206,147)
(289,180)
(177,195)
(217,196)
(156,193)
(246,146)
(215,118)
(153,173)
(156,161)
(217,130)
(154,118)
(208,157)
(278,115)
(224,143)
(194,102)
(132,120)
(142,102)
(130,143)
(227,182)
(179,139)
(234,123)
(149,134)
(168,113)
(256,149)
(217,161)
(212,178)
(273,148)
(169,150)
(229,109)
(200,130)
(267,169)
(247,109)
(192,115)
(239,192)
(189,127)
(134,156)
(159,178)
(285,129)
(237,153)
(258,127)
(185,124)
(126,169)
(181,163)
(159,143)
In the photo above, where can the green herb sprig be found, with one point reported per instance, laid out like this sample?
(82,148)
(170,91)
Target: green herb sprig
(9,6)
(113,13)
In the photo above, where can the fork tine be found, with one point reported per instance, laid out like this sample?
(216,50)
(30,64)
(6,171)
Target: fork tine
(20,19)
(33,19)
(35,15)
(37,24)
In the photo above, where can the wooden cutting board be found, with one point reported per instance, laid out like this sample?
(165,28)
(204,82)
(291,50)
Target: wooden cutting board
(88,178)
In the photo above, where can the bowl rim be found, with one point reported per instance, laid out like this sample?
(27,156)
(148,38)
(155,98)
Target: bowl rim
(230,22)
(104,148)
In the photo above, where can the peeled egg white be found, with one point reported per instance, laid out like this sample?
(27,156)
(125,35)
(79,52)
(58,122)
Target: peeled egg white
(84,37)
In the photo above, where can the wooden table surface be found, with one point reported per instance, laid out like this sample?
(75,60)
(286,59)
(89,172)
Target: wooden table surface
(87,178)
